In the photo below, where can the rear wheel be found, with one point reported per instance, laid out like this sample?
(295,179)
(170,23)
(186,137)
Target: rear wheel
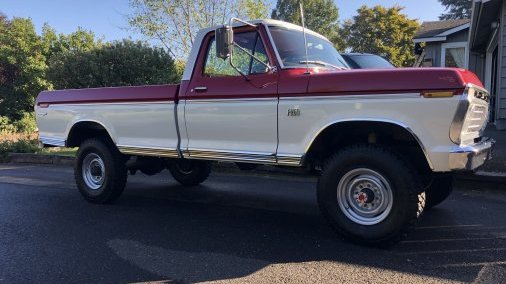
(190,172)
(439,190)
(369,195)
(100,171)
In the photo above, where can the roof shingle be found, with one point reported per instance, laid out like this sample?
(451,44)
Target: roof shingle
(430,29)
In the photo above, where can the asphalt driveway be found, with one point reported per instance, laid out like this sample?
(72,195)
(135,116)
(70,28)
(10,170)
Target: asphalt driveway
(233,228)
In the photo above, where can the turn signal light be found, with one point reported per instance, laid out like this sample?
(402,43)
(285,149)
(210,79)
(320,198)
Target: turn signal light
(445,94)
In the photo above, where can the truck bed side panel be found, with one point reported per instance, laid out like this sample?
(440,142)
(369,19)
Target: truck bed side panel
(140,120)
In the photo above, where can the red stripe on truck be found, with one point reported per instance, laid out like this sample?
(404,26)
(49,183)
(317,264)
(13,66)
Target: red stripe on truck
(110,95)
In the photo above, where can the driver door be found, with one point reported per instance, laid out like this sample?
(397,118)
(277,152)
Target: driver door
(228,116)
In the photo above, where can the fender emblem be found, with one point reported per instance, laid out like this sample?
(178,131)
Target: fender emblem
(294,111)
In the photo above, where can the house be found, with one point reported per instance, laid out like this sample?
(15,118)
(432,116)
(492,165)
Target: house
(443,44)
(487,49)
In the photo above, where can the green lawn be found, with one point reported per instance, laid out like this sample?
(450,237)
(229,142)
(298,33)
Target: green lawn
(70,152)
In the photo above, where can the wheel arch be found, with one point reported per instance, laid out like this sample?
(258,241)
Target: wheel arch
(84,129)
(360,127)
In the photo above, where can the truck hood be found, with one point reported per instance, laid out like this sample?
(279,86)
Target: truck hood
(400,80)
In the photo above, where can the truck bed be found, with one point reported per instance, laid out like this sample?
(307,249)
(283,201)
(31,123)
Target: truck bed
(110,95)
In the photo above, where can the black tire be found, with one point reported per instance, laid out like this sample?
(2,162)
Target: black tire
(439,190)
(357,168)
(112,171)
(190,172)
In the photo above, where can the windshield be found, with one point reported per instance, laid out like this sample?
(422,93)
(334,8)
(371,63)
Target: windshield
(361,61)
(290,46)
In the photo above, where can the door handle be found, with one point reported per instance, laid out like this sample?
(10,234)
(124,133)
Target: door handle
(200,89)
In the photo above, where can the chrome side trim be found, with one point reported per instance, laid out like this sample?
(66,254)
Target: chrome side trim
(418,140)
(52,141)
(144,151)
(221,155)
(289,160)
(117,103)
(309,98)
(232,100)
(354,97)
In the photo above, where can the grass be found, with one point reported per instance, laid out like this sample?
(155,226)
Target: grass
(28,143)
(17,145)
(62,151)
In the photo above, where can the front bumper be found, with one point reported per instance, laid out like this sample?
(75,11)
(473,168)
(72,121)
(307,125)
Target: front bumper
(471,157)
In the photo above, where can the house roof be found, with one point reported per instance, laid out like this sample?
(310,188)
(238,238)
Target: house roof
(439,30)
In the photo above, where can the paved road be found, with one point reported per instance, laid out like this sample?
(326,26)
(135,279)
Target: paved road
(234,228)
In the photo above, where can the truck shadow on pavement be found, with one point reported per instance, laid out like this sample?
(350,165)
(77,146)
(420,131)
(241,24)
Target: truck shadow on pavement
(255,229)
(214,232)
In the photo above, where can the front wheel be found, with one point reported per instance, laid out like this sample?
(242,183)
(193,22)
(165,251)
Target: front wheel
(100,171)
(190,172)
(369,195)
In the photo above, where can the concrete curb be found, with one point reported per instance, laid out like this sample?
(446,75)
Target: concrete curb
(39,159)
(58,160)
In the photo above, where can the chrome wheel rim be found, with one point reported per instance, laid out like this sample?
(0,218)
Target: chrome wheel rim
(365,196)
(93,171)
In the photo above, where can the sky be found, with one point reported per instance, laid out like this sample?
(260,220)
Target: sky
(108,18)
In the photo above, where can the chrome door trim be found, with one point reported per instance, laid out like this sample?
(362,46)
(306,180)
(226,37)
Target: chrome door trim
(354,97)
(232,156)
(145,151)
(231,100)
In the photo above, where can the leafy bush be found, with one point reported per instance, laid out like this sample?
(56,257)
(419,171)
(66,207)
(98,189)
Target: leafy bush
(27,123)
(20,146)
(6,125)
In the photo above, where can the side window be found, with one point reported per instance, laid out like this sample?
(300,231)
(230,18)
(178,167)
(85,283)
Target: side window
(251,42)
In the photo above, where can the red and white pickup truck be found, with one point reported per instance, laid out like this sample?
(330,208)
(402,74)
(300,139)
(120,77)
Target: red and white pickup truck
(383,142)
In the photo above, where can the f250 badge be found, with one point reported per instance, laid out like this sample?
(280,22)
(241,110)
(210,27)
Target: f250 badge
(295,111)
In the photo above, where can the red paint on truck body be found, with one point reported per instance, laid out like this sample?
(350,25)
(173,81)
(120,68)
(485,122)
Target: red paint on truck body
(110,95)
(291,82)
(384,81)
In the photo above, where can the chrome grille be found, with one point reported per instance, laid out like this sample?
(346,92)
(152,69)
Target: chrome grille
(471,116)
(477,118)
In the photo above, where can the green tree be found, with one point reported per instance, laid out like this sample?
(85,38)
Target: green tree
(80,40)
(383,31)
(22,67)
(175,22)
(320,16)
(121,63)
(456,9)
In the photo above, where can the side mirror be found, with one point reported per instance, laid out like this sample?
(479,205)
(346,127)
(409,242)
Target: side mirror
(224,42)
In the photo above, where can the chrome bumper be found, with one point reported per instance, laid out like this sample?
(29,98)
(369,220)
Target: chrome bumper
(471,157)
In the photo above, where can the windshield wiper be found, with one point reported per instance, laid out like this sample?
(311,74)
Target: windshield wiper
(322,63)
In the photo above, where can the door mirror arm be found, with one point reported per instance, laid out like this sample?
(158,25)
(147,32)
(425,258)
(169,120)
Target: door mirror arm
(225,46)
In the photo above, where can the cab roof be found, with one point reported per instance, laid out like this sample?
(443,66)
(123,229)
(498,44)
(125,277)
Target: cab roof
(192,58)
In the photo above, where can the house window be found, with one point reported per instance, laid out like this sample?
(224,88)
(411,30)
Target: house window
(454,54)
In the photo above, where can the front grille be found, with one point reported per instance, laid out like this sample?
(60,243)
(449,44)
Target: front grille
(471,116)
(477,118)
